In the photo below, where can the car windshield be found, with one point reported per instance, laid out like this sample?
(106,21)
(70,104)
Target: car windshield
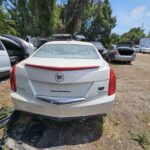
(67,51)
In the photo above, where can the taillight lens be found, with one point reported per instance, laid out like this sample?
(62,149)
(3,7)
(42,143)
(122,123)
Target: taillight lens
(112,83)
(13,79)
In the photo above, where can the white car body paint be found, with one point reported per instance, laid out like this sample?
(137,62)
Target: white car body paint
(145,50)
(5,65)
(81,93)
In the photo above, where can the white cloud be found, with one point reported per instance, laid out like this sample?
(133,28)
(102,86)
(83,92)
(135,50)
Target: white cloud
(134,15)
(131,13)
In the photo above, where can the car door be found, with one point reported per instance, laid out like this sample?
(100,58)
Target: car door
(4,59)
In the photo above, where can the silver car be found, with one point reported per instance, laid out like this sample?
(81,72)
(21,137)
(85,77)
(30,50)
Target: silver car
(123,52)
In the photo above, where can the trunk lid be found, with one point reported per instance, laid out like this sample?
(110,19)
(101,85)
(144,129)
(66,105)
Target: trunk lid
(77,76)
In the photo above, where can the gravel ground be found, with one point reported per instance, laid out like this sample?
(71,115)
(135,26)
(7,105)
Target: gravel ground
(126,128)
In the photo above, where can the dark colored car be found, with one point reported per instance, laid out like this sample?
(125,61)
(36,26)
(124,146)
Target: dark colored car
(61,37)
(41,41)
(102,50)
(27,48)
(13,49)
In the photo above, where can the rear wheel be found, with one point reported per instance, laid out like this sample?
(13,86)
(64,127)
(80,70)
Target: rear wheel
(109,59)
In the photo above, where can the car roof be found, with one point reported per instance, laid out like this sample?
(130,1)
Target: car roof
(7,39)
(61,35)
(95,42)
(125,43)
(70,42)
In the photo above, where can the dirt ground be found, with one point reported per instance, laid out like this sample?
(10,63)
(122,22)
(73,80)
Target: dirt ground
(126,128)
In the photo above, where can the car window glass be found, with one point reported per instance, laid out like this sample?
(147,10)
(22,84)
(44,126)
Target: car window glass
(1,46)
(70,51)
(10,46)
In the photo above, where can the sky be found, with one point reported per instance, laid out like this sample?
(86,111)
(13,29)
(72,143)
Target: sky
(131,13)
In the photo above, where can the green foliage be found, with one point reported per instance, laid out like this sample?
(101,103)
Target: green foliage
(7,25)
(33,17)
(42,18)
(114,38)
(134,35)
(148,35)
(71,14)
(56,20)
(143,138)
(98,22)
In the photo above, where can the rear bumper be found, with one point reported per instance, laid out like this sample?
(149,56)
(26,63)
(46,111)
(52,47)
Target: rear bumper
(124,58)
(89,107)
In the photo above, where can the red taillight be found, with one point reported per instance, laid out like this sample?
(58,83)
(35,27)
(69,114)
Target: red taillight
(115,52)
(112,83)
(13,79)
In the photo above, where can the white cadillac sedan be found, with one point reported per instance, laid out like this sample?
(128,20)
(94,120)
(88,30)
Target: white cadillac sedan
(64,79)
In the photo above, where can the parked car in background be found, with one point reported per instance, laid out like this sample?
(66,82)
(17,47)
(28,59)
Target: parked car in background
(31,40)
(145,45)
(64,79)
(5,65)
(13,50)
(79,37)
(102,50)
(123,52)
(41,41)
(27,48)
(136,48)
(61,37)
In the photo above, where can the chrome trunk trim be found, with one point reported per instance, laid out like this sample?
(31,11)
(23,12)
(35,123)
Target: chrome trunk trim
(59,100)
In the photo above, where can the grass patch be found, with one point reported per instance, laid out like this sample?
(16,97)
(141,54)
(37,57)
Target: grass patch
(108,129)
(146,117)
(143,138)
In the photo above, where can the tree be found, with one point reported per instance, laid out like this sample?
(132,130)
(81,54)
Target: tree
(98,21)
(71,14)
(34,17)
(134,35)
(148,35)
(44,17)
(7,25)
(93,18)
(114,38)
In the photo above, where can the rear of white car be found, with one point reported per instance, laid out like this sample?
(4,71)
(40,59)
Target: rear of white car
(68,85)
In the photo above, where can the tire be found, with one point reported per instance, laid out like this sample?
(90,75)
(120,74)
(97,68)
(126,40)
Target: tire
(129,62)
(109,59)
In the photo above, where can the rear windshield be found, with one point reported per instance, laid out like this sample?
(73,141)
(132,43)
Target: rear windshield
(68,51)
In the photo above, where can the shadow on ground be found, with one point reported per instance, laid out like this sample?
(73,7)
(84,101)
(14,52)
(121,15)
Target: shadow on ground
(41,132)
(120,63)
